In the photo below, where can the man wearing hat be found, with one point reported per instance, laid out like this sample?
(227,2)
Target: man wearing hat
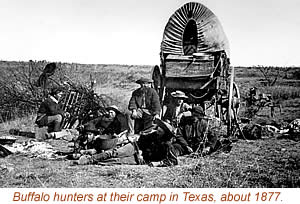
(162,147)
(110,128)
(114,122)
(50,112)
(196,132)
(118,124)
(144,107)
(176,108)
(85,140)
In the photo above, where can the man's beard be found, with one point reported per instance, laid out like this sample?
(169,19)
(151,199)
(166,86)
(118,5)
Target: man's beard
(144,88)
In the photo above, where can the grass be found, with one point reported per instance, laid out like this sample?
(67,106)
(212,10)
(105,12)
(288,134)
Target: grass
(262,163)
(25,123)
(283,92)
(268,162)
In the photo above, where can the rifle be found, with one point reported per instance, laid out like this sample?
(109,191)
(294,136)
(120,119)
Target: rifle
(136,154)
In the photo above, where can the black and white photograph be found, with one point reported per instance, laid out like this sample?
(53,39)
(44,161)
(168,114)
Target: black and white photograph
(150,94)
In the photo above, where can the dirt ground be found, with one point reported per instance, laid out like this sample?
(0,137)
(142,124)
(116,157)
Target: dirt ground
(268,162)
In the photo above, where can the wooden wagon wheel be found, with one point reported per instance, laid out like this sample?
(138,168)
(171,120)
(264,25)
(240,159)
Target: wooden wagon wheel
(233,104)
(156,77)
(158,84)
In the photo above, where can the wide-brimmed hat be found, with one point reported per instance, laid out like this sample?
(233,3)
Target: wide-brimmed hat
(178,94)
(169,130)
(144,80)
(198,111)
(114,108)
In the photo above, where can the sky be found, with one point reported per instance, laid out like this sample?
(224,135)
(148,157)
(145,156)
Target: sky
(260,32)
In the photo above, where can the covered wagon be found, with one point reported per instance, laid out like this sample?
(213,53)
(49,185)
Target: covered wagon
(195,59)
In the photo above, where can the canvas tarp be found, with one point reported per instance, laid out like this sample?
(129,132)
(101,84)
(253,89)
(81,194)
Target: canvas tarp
(210,36)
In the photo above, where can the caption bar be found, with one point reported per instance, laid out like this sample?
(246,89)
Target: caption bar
(158,196)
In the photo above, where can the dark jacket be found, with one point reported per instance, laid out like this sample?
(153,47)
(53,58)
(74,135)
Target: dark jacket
(155,147)
(151,100)
(109,126)
(48,108)
(194,133)
(118,125)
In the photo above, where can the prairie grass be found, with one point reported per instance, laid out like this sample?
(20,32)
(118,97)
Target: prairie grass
(261,163)
(283,92)
(25,123)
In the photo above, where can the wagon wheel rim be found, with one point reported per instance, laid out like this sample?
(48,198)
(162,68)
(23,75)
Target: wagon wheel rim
(236,98)
(158,84)
(233,104)
(156,77)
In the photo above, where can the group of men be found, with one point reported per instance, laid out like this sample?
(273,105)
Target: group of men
(140,135)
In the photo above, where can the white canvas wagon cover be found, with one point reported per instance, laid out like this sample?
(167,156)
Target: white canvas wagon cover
(193,20)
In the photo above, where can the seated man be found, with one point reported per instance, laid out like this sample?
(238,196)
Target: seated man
(176,108)
(50,112)
(196,132)
(144,107)
(162,147)
(112,123)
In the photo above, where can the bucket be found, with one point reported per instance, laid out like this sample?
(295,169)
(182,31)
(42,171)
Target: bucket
(105,142)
